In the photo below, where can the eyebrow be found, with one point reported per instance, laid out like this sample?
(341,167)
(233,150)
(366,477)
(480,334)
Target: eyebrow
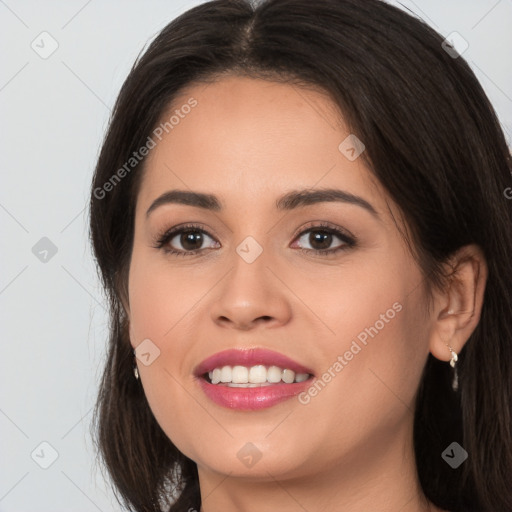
(289,201)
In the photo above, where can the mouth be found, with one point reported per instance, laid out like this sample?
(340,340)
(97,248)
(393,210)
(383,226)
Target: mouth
(251,379)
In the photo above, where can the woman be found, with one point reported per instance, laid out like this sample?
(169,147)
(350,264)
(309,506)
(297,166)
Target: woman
(300,216)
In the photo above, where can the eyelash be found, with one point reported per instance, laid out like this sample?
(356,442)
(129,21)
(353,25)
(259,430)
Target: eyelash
(349,241)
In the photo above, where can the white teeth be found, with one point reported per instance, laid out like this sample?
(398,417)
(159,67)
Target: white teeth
(239,375)
(225,374)
(288,376)
(216,376)
(258,375)
(274,374)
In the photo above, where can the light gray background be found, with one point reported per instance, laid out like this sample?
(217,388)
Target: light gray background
(54,113)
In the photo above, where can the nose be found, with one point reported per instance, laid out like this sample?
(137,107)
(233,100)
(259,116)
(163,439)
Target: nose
(250,296)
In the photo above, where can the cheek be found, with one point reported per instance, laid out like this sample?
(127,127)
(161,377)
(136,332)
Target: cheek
(160,300)
(363,301)
(379,341)
(370,380)
(157,303)
(151,307)
(159,297)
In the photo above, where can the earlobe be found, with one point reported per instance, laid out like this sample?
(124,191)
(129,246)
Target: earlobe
(458,308)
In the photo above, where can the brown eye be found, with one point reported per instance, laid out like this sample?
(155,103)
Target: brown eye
(321,239)
(185,240)
(190,240)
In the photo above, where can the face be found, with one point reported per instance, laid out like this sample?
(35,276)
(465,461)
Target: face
(328,284)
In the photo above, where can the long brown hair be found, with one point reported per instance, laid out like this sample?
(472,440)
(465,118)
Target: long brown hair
(432,139)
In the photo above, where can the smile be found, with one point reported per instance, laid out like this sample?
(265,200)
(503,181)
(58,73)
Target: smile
(251,379)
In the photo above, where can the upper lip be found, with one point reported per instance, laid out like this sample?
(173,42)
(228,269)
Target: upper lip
(249,357)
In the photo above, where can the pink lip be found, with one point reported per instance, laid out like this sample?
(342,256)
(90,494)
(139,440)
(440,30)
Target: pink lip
(250,398)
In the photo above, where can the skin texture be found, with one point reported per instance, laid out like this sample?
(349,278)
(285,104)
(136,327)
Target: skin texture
(248,142)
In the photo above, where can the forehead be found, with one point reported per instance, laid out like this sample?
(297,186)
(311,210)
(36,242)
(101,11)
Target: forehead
(250,140)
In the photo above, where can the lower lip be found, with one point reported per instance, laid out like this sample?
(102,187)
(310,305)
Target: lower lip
(252,399)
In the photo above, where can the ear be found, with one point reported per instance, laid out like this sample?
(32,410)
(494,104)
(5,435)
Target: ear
(457,308)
